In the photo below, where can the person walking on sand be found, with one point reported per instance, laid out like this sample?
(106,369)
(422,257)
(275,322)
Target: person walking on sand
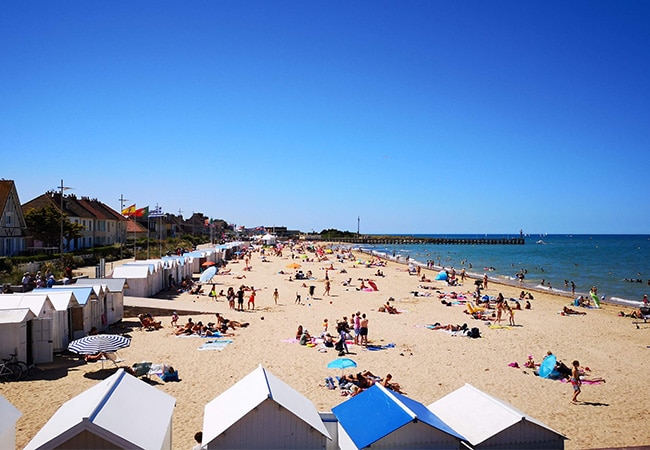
(575,381)
(276,296)
(327,288)
(485,281)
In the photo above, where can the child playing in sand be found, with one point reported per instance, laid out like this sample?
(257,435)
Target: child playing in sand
(174,319)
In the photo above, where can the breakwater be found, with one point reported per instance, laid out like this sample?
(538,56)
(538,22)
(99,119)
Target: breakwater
(401,240)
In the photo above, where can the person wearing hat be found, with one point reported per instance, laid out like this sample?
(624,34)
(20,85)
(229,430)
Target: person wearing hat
(26,280)
(50,281)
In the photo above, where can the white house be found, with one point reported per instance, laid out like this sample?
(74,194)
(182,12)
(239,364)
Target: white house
(261,411)
(121,412)
(487,422)
(13,229)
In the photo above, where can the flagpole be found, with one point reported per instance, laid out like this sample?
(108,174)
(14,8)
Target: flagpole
(135,255)
(120,235)
(148,236)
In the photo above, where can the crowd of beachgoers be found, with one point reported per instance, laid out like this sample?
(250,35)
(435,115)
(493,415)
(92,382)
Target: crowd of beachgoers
(297,308)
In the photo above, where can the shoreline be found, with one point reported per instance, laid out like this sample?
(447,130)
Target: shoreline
(507,281)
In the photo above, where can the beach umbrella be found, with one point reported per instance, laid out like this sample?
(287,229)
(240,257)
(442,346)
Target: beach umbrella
(341,363)
(208,274)
(96,343)
(208,264)
(293,266)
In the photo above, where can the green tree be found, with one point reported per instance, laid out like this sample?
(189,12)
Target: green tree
(45,225)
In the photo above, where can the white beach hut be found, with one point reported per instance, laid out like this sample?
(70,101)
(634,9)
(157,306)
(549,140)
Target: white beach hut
(88,314)
(138,278)
(156,283)
(381,418)
(39,334)
(9,415)
(487,422)
(13,331)
(261,411)
(268,239)
(113,306)
(64,302)
(121,412)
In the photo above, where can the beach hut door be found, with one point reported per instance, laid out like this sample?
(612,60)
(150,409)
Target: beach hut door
(42,337)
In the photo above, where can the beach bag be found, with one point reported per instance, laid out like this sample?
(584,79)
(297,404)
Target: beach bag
(339,346)
(474,333)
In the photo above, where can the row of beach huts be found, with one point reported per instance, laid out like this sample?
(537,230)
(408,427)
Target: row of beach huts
(36,325)
(260,411)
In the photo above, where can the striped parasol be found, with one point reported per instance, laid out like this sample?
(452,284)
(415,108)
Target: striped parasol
(96,343)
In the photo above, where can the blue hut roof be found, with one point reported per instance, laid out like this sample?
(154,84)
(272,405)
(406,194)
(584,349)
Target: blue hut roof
(384,411)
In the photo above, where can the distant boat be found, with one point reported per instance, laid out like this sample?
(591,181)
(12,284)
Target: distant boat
(541,242)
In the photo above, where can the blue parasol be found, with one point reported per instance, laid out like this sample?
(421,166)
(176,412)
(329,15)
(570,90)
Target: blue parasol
(341,363)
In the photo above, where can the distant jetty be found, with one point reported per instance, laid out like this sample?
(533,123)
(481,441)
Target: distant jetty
(402,240)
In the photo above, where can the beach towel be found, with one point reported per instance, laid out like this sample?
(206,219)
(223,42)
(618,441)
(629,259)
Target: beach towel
(500,327)
(564,380)
(218,344)
(373,347)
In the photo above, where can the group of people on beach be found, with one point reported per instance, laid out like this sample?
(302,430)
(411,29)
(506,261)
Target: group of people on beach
(218,328)
(355,329)
(353,384)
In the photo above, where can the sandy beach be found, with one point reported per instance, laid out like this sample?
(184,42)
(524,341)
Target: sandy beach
(428,364)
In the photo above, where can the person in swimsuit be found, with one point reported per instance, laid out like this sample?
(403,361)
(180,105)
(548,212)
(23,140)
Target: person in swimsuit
(575,381)
(363,330)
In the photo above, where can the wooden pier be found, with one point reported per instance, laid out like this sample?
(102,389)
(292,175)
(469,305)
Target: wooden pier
(403,240)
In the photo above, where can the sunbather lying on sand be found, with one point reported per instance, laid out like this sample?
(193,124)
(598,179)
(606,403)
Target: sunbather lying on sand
(224,324)
(568,311)
(449,327)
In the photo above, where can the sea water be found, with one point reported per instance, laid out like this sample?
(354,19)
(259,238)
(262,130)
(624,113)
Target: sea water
(618,265)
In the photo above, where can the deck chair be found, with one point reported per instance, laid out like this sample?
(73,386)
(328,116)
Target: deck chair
(111,357)
(149,324)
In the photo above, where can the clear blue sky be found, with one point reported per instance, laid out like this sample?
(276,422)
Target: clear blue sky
(416,116)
